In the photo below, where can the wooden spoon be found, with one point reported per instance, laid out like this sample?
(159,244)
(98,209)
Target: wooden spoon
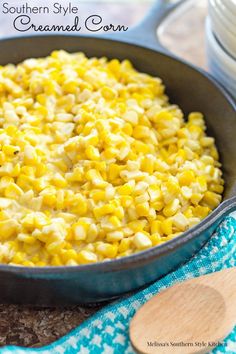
(189,317)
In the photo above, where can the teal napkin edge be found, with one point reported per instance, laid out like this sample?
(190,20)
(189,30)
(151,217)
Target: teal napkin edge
(198,267)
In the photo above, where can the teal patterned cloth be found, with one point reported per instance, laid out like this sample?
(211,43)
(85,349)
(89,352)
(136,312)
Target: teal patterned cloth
(107,331)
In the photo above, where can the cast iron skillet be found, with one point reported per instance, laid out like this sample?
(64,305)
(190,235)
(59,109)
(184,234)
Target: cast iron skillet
(192,90)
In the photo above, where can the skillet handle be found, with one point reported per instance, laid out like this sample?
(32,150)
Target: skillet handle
(145,33)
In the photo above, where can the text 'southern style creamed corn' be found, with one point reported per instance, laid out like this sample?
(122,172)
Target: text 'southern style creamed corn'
(95,163)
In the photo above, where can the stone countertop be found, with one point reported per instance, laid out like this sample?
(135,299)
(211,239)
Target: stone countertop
(184,35)
(35,327)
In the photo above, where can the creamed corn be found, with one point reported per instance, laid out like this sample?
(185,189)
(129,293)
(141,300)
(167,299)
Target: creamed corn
(95,163)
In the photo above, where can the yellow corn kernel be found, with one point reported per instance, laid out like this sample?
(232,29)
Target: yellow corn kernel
(186,192)
(142,209)
(109,192)
(158,206)
(160,217)
(59,163)
(92,233)
(110,153)
(126,201)
(90,247)
(188,212)
(30,156)
(141,147)
(92,139)
(28,221)
(107,250)
(217,188)
(180,221)
(13,191)
(193,221)
(26,238)
(40,184)
(114,66)
(24,182)
(100,166)
(115,221)
(196,197)
(71,262)
(69,255)
(59,181)
(171,208)
(206,141)
(4,215)
(172,187)
(40,220)
(211,199)
(85,257)
(11,130)
(201,211)
(131,117)
(6,169)
(166,226)
(186,178)
(124,245)
(141,132)
(70,86)
(141,198)
(160,166)
(170,237)
(202,182)
(196,118)
(142,241)
(49,199)
(8,228)
(16,170)
(126,189)
(155,239)
(97,195)
(4,203)
(214,153)
(137,225)
(41,264)
(10,150)
(56,261)
(114,236)
(114,171)
(119,212)
(108,93)
(80,230)
(28,170)
(156,227)
(128,129)
(92,153)
(18,258)
(53,247)
(76,175)
(2,158)
(79,205)
(147,165)
(103,210)
(181,156)
(95,177)
(125,254)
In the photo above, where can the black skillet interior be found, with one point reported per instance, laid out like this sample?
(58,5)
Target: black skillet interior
(192,91)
